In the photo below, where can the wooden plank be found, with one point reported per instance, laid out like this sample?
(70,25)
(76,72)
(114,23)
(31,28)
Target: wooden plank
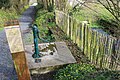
(118,54)
(91,45)
(15,43)
(90,42)
(21,66)
(74,25)
(82,37)
(111,45)
(68,27)
(76,30)
(71,28)
(113,55)
(78,35)
(94,47)
(14,38)
(65,24)
(102,51)
(56,18)
(97,52)
(109,52)
(105,51)
(87,40)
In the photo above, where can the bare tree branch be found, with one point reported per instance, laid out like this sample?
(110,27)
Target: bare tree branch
(113,6)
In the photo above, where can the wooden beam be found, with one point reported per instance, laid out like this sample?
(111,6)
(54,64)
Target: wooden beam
(21,66)
(15,43)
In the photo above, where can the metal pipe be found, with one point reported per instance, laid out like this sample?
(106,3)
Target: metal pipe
(36,47)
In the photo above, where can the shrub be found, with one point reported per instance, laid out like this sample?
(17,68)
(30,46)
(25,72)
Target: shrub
(7,15)
(85,72)
(74,72)
(4,3)
(104,75)
(45,19)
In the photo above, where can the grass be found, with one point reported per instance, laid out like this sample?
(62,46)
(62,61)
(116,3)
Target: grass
(92,14)
(6,15)
(1,29)
(85,72)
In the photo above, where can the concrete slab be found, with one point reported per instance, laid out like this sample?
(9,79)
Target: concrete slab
(61,55)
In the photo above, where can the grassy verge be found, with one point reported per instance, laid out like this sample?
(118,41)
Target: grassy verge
(1,28)
(9,14)
(92,13)
(98,17)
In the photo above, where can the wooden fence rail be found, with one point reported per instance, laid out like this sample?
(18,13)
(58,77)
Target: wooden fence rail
(102,49)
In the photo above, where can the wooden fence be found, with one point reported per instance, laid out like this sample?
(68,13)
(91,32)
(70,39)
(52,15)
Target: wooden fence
(102,49)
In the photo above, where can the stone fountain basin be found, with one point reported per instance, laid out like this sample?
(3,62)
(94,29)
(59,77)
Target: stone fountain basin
(61,55)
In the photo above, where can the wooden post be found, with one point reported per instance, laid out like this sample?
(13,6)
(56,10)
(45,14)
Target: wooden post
(15,43)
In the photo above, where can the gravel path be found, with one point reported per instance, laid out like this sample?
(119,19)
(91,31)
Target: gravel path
(7,70)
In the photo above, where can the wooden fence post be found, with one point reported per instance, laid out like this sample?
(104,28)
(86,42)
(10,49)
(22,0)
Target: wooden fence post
(15,43)
(97,46)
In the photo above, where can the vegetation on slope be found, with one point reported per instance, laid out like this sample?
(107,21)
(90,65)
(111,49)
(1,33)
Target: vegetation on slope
(44,20)
(7,15)
(91,13)
(97,16)
(85,72)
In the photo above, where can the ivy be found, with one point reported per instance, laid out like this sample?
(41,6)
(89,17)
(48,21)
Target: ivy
(85,72)
(74,72)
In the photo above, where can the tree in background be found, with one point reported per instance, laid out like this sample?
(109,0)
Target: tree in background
(16,4)
(4,4)
(47,4)
(113,6)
